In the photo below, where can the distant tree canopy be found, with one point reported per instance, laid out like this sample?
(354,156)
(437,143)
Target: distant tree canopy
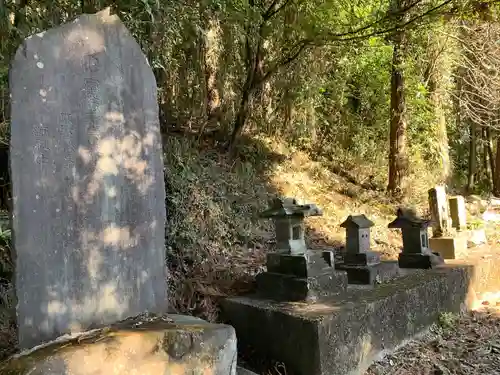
(386,83)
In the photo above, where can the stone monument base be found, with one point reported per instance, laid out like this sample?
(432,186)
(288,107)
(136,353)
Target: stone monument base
(449,247)
(283,287)
(312,263)
(305,277)
(344,334)
(372,274)
(420,261)
(174,344)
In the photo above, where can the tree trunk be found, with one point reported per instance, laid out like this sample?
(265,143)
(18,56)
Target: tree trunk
(496,178)
(241,118)
(486,166)
(89,6)
(489,146)
(398,160)
(436,98)
(251,86)
(287,117)
(472,159)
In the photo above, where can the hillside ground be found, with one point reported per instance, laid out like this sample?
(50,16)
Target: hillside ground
(216,241)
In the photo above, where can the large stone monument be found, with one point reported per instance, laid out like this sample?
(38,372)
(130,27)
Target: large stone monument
(458,213)
(89,212)
(438,205)
(445,240)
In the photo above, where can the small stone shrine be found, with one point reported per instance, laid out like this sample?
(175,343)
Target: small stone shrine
(358,241)
(295,273)
(362,265)
(416,252)
(445,240)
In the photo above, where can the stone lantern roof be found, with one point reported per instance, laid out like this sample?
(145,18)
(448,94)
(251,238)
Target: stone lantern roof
(407,218)
(357,221)
(283,207)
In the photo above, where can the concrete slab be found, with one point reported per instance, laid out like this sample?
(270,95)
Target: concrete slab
(449,247)
(174,344)
(345,334)
(486,275)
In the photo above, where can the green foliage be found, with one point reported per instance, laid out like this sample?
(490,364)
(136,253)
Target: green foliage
(447,321)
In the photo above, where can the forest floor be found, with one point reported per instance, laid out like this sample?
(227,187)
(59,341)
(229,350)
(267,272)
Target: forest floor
(467,345)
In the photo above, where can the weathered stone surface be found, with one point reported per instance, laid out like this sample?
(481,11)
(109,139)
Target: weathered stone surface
(438,205)
(357,233)
(449,247)
(312,263)
(414,231)
(280,287)
(373,274)
(486,262)
(88,213)
(343,335)
(422,261)
(367,258)
(458,213)
(178,345)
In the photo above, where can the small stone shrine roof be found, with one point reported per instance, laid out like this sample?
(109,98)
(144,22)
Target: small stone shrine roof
(408,218)
(282,207)
(357,221)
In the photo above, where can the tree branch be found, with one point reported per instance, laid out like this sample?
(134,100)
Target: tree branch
(293,54)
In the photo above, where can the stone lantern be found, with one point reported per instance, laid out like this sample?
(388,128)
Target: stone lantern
(416,252)
(358,241)
(362,265)
(288,217)
(295,273)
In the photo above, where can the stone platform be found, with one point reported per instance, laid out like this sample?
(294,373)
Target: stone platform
(345,334)
(486,275)
(175,344)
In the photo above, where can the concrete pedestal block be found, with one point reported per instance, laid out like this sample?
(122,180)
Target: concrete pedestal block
(370,275)
(420,261)
(280,287)
(449,247)
(176,345)
(344,334)
(312,263)
(486,262)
